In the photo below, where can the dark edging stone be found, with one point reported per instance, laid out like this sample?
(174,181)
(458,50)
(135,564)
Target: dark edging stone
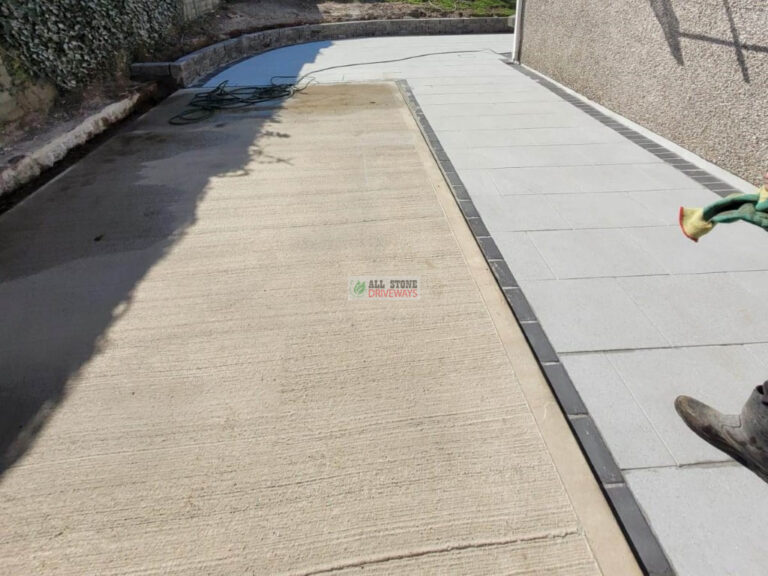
(192,68)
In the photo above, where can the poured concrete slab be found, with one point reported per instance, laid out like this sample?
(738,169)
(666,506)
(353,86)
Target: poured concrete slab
(189,389)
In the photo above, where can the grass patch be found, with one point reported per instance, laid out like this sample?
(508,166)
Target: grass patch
(466,7)
(470,7)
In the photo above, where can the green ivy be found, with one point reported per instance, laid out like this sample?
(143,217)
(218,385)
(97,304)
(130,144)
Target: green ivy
(70,41)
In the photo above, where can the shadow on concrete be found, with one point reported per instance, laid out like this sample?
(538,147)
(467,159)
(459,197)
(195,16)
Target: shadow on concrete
(73,253)
(670,25)
(281,65)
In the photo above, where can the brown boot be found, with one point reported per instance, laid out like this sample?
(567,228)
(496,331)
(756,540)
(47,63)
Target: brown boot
(744,437)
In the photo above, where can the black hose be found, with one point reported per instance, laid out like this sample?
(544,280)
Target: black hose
(204,104)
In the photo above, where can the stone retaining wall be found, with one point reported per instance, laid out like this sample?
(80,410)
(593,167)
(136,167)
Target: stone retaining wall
(195,67)
(19,95)
(191,9)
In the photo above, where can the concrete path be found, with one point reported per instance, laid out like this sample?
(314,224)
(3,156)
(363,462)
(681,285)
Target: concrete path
(586,220)
(189,389)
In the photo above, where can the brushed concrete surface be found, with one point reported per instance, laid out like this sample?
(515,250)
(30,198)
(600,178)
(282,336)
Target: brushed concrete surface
(188,390)
(693,71)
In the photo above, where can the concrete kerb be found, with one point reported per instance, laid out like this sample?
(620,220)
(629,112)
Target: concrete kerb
(190,69)
(34,162)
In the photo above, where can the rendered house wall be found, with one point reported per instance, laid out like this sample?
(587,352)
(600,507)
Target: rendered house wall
(694,71)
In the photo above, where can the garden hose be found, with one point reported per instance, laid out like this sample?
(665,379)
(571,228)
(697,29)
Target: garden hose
(205,104)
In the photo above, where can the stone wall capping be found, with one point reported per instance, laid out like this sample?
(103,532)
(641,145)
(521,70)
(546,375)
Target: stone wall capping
(193,68)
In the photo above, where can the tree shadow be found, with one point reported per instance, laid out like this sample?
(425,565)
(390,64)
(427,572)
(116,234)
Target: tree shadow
(72,254)
(670,25)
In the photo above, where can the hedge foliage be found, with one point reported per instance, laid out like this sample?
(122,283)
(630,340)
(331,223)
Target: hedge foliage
(70,41)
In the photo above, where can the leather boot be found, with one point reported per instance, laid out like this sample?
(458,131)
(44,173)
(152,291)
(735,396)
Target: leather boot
(744,437)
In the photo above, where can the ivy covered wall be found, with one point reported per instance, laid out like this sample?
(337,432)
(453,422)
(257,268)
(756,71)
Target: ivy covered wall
(69,41)
(64,44)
